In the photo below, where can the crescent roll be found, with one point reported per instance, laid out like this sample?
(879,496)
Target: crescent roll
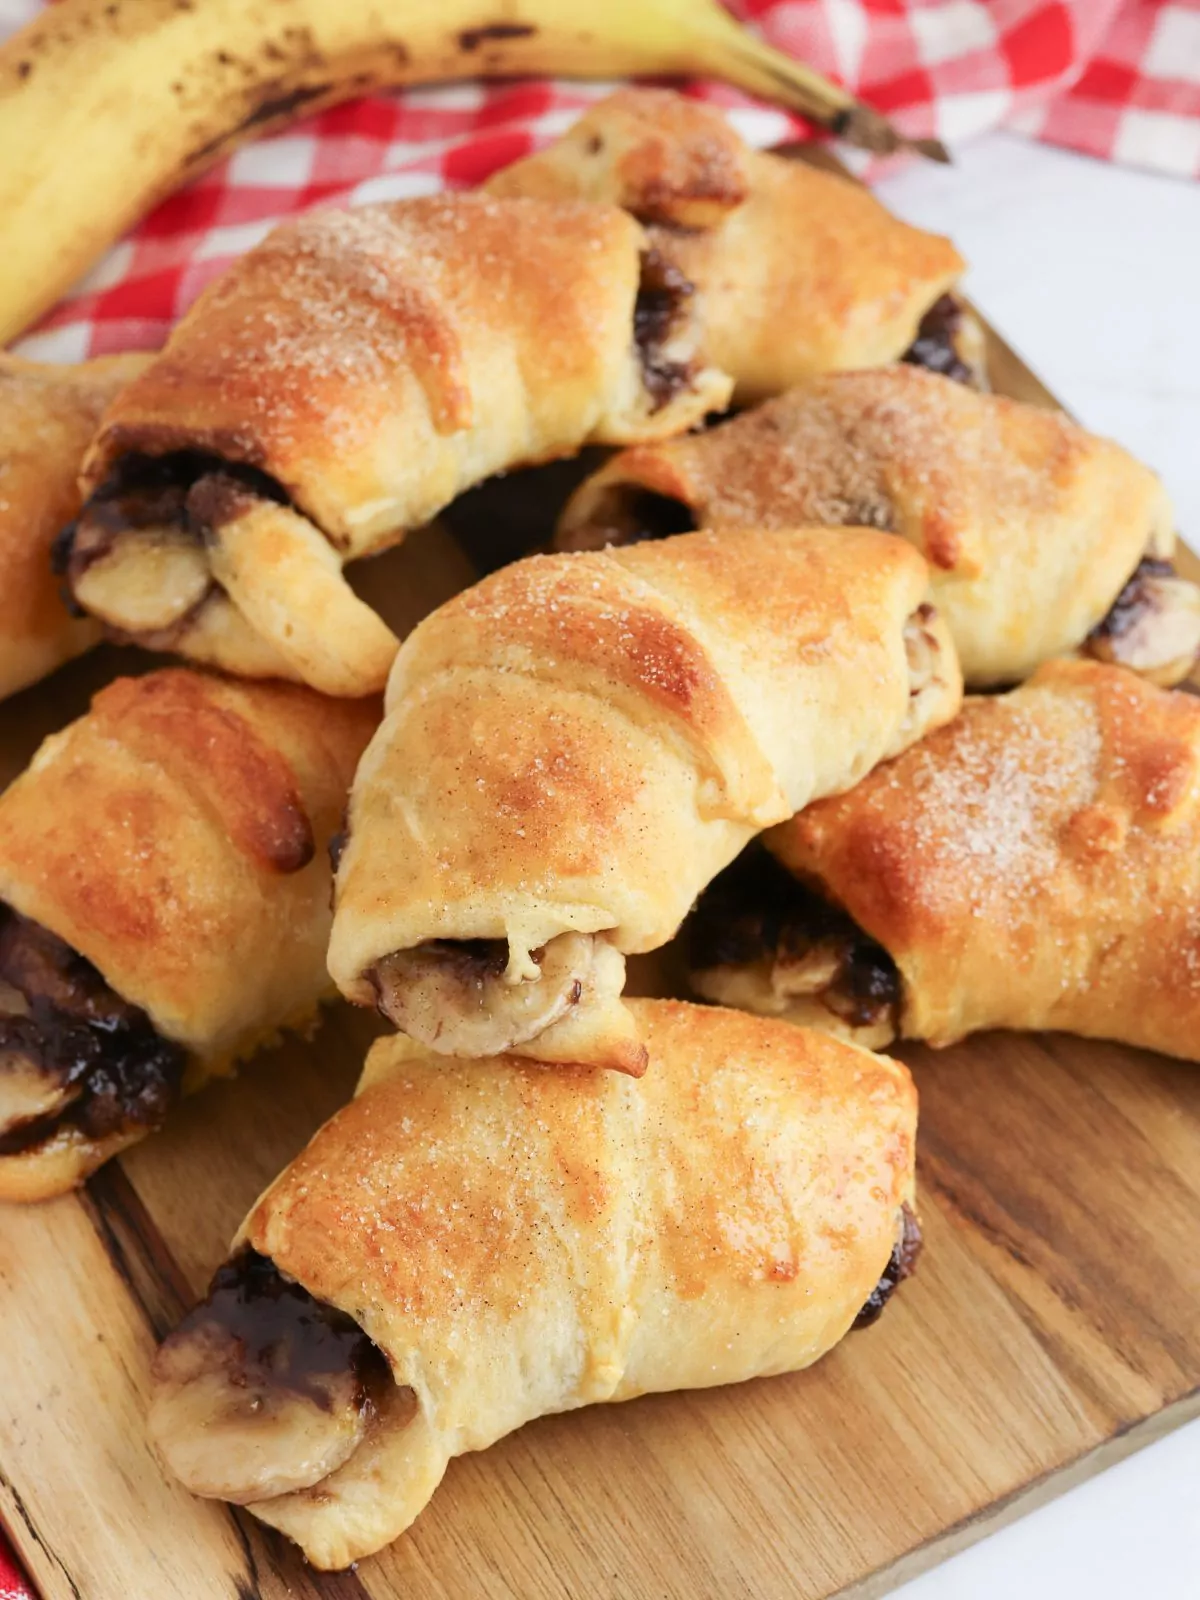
(1041,538)
(340,384)
(574,747)
(164,906)
(1036,864)
(797,271)
(470,1245)
(48,415)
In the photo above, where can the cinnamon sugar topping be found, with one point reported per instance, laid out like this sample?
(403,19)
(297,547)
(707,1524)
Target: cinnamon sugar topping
(1005,780)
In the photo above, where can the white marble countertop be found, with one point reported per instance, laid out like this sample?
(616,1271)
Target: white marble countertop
(1091,272)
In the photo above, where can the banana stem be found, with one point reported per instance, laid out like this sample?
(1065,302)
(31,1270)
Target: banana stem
(725,49)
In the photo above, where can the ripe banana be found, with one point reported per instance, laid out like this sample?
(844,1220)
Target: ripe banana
(106,106)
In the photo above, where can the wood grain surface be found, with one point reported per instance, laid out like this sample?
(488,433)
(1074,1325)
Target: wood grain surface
(1053,1326)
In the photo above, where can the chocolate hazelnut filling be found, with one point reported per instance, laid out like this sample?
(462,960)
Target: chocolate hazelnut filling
(756,913)
(262,1389)
(1153,626)
(632,515)
(940,342)
(337,846)
(135,555)
(662,293)
(515,513)
(902,1264)
(72,1052)
(460,996)
(467,961)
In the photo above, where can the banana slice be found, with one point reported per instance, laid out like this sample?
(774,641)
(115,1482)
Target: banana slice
(261,1390)
(853,979)
(922,651)
(1154,626)
(147,579)
(811,971)
(759,941)
(12,1001)
(456,997)
(29,1089)
(925,643)
(228,1439)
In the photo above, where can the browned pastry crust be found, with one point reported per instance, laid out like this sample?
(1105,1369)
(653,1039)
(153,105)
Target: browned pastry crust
(174,840)
(48,415)
(798,271)
(340,384)
(1035,864)
(518,1242)
(1031,525)
(666,158)
(576,745)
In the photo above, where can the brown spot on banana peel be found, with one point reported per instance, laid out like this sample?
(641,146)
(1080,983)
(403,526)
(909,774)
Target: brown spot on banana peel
(491,32)
(274,104)
(285,103)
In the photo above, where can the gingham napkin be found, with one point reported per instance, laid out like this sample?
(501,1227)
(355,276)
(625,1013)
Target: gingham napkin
(12,1582)
(1115,78)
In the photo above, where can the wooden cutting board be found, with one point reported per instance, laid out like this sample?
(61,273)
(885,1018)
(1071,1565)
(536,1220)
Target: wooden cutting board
(1054,1326)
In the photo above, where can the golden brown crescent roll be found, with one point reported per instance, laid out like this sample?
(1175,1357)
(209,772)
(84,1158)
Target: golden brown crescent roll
(1035,864)
(1041,538)
(797,271)
(48,415)
(340,384)
(470,1245)
(574,747)
(164,906)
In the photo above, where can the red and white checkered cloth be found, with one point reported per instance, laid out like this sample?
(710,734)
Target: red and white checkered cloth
(1114,78)
(12,1581)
